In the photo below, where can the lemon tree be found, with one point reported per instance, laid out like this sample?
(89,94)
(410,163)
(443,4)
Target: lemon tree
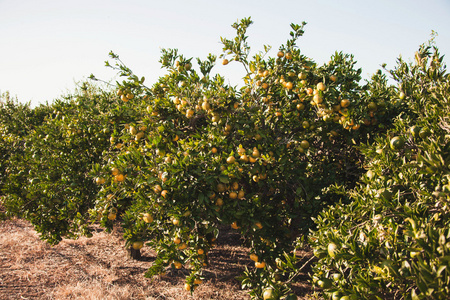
(48,181)
(390,240)
(255,157)
(175,160)
(17,120)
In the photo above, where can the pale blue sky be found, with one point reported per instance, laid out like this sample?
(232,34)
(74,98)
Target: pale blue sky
(48,46)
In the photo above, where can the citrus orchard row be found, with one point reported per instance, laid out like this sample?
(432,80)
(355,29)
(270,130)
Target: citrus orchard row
(390,240)
(175,161)
(257,157)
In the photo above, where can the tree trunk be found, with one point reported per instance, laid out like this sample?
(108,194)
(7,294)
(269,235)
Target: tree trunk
(134,254)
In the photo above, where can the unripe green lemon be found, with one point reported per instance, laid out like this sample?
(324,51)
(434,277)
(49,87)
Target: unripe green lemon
(397,143)
(332,247)
(415,130)
(424,133)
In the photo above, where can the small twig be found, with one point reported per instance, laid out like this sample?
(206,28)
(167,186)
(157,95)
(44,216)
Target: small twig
(444,124)
(301,268)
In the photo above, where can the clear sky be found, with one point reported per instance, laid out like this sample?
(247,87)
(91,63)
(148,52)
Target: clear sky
(46,46)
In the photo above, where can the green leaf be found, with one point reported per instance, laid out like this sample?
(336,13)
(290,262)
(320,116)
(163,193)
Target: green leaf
(224,179)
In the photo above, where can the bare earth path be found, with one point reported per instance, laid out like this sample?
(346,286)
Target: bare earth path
(99,268)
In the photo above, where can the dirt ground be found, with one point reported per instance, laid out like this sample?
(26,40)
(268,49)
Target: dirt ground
(100,268)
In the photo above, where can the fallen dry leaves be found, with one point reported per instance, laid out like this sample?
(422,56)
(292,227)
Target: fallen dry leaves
(100,268)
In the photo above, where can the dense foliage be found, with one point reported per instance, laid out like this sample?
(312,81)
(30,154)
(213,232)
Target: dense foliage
(16,121)
(295,148)
(391,240)
(48,165)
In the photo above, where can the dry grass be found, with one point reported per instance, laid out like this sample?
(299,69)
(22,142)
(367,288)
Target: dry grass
(99,268)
